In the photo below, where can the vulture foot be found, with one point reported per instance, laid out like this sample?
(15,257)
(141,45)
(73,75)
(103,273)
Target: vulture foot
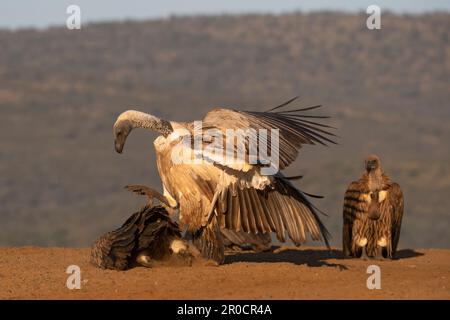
(379,255)
(364,255)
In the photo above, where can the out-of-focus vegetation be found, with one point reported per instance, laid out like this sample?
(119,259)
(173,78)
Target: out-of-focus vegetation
(60,91)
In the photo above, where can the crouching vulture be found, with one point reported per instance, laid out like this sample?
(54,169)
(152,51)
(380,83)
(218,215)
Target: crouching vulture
(241,196)
(147,237)
(373,210)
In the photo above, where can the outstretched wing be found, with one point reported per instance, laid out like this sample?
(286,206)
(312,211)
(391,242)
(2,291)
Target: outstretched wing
(295,127)
(397,205)
(279,208)
(241,203)
(354,205)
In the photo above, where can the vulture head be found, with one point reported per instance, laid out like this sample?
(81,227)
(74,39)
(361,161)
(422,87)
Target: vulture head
(131,119)
(373,163)
(121,131)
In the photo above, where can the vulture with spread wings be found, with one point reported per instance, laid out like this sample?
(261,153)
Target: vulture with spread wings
(213,194)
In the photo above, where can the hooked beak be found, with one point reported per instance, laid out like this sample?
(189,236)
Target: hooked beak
(118,146)
(371,165)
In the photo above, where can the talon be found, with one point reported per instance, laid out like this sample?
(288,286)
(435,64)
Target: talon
(380,253)
(364,255)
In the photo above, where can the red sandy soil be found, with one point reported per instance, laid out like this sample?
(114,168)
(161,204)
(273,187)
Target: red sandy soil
(304,273)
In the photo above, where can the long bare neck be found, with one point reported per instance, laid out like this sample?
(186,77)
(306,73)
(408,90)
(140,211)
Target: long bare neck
(147,121)
(141,119)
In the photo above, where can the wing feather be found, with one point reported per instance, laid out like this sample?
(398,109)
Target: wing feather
(294,130)
(276,217)
(250,211)
(223,200)
(300,217)
(230,210)
(261,223)
(397,203)
(350,211)
(243,211)
(278,208)
(266,227)
(237,216)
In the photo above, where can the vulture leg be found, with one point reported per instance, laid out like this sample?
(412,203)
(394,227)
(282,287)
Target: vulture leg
(364,255)
(379,255)
(362,243)
(381,245)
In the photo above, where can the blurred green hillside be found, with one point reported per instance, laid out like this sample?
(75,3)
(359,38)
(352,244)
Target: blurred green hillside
(387,90)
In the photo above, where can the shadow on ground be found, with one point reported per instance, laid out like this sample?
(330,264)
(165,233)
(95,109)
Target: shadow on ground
(309,257)
(407,253)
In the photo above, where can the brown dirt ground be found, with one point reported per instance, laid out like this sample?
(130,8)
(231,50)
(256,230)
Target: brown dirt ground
(304,273)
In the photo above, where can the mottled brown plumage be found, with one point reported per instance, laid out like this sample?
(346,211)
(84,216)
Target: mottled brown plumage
(373,210)
(148,235)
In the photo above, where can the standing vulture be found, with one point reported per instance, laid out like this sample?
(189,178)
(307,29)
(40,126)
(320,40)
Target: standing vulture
(213,194)
(373,210)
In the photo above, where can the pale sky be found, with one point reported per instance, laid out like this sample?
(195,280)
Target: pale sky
(44,13)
